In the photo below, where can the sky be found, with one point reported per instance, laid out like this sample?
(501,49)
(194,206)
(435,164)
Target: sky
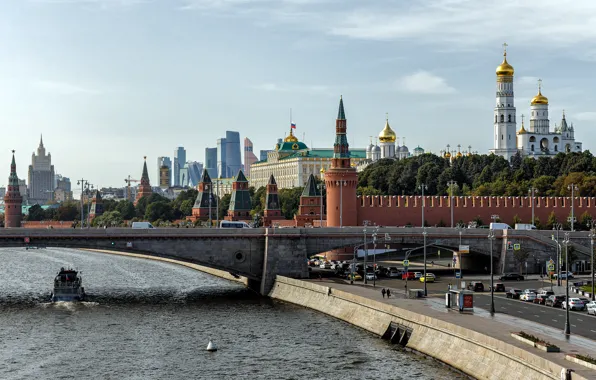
(108,82)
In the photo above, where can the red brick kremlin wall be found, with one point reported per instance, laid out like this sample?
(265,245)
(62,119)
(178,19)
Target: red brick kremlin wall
(401,210)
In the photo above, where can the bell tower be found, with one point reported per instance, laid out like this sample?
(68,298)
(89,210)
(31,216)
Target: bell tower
(341,179)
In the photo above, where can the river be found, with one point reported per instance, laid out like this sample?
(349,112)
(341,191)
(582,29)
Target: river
(147,319)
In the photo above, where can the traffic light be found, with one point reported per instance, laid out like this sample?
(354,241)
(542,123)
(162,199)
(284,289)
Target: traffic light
(113,243)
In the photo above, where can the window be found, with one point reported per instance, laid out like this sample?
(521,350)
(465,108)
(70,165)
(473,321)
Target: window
(556,148)
(509,118)
(502,137)
(532,148)
(502,118)
(495,118)
(509,137)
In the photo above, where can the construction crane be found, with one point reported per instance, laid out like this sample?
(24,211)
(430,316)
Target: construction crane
(128,181)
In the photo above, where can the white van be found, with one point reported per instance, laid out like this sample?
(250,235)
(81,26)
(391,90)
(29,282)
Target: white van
(522,226)
(227,224)
(142,225)
(500,226)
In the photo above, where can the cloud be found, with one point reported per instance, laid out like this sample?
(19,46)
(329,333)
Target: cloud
(63,88)
(586,116)
(423,82)
(99,3)
(280,87)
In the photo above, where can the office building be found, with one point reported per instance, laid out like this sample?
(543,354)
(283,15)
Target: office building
(211,162)
(263,154)
(222,166)
(233,153)
(249,156)
(164,161)
(195,170)
(179,163)
(41,176)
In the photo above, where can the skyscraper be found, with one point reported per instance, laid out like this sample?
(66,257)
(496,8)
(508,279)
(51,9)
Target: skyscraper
(263,154)
(164,161)
(233,153)
(211,161)
(249,156)
(222,165)
(195,169)
(179,163)
(41,176)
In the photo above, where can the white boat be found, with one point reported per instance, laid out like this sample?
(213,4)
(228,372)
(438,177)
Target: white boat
(211,347)
(67,286)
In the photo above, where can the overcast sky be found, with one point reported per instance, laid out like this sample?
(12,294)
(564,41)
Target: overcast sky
(110,81)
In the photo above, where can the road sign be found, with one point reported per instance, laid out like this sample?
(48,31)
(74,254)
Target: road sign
(464,249)
(551,262)
(406,263)
(510,246)
(551,267)
(27,240)
(516,247)
(457,274)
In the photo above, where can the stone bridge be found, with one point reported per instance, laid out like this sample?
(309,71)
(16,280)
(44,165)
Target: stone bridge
(260,254)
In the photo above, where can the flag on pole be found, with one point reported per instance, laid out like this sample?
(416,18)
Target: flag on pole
(293,125)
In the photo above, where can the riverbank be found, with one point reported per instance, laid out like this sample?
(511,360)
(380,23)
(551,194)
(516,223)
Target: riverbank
(483,348)
(215,272)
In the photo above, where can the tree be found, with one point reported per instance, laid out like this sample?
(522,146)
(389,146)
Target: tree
(290,200)
(159,210)
(109,219)
(186,207)
(521,256)
(570,250)
(126,209)
(36,213)
(516,219)
(68,211)
(585,221)
(224,205)
(537,223)
(552,219)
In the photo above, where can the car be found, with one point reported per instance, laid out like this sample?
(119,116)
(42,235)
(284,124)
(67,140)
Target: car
(325,265)
(429,278)
(573,304)
(528,295)
(511,276)
(540,299)
(591,307)
(371,276)
(585,301)
(417,274)
(356,276)
(408,276)
(499,287)
(476,286)
(564,275)
(513,293)
(393,274)
(544,292)
(555,301)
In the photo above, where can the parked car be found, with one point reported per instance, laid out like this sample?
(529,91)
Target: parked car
(394,274)
(555,301)
(408,275)
(499,287)
(371,276)
(476,286)
(574,304)
(511,276)
(417,274)
(540,299)
(429,278)
(356,276)
(564,275)
(544,292)
(528,295)
(585,301)
(513,293)
(591,307)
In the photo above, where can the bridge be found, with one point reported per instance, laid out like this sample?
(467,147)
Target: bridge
(259,254)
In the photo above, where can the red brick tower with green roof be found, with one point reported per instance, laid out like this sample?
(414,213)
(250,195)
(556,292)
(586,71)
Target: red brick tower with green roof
(341,179)
(240,203)
(272,205)
(145,187)
(205,206)
(96,206)
(13,200)
(310,204)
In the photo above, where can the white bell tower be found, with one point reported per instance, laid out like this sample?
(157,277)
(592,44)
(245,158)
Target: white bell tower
(504,137)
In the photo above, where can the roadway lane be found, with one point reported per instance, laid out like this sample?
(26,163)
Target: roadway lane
(581,323)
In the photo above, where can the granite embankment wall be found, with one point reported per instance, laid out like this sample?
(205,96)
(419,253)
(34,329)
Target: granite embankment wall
(473,353)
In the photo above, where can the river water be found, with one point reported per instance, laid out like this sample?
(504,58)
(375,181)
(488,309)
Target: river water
(151,320)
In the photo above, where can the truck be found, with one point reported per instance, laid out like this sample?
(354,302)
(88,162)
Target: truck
(142,225)
(500,226)
(524,226)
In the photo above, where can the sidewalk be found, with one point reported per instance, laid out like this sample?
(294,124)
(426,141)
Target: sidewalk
(498,326)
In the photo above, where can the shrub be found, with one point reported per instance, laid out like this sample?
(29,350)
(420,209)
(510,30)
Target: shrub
(586,358)
(535,339)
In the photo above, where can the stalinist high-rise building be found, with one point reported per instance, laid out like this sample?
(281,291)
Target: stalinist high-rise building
(41,176)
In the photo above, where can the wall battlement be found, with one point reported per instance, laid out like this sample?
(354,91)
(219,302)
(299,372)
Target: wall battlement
(400,210)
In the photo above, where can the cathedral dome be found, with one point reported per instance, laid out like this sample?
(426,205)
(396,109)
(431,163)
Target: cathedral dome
(539,99)
(291,138)
(377,149)
(459,155)
(504,69)
(387,134)
(447,154)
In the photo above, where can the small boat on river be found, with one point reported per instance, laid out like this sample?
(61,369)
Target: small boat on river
(68,286)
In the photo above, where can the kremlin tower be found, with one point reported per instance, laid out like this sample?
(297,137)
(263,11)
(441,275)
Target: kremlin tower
(13,199)
(144,189)
(341,179)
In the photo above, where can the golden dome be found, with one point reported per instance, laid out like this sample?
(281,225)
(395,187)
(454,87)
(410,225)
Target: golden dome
(522,130)
(459,154)
(447,154)
(322,171)
(504,69)
(291,138)
(387,134)
(539,99)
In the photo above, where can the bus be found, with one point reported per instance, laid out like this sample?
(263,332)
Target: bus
(227,224)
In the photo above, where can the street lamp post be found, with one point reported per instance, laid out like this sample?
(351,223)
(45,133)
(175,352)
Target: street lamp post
(424,243)
(375,256)
(491,237)
(89,208)
(217,203)
(566,241)
(83,183)
(591,236)
(451,184)
(422,188)
(210,198)
(573,187)
(531,192)
(460,228)
(558,227)
(365,250)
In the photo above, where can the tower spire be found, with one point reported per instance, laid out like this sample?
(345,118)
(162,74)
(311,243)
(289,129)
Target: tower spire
(41,141)
(341,115)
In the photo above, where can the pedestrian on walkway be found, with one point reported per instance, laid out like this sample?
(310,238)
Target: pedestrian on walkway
(449,286)
(388,293)
(320,277)
(383,292)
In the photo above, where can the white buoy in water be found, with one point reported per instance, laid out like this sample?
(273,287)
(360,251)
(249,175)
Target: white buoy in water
(211,347)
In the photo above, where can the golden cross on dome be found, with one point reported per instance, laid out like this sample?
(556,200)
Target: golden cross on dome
(505,48)
(539,85)
(523,117)
(387,116)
